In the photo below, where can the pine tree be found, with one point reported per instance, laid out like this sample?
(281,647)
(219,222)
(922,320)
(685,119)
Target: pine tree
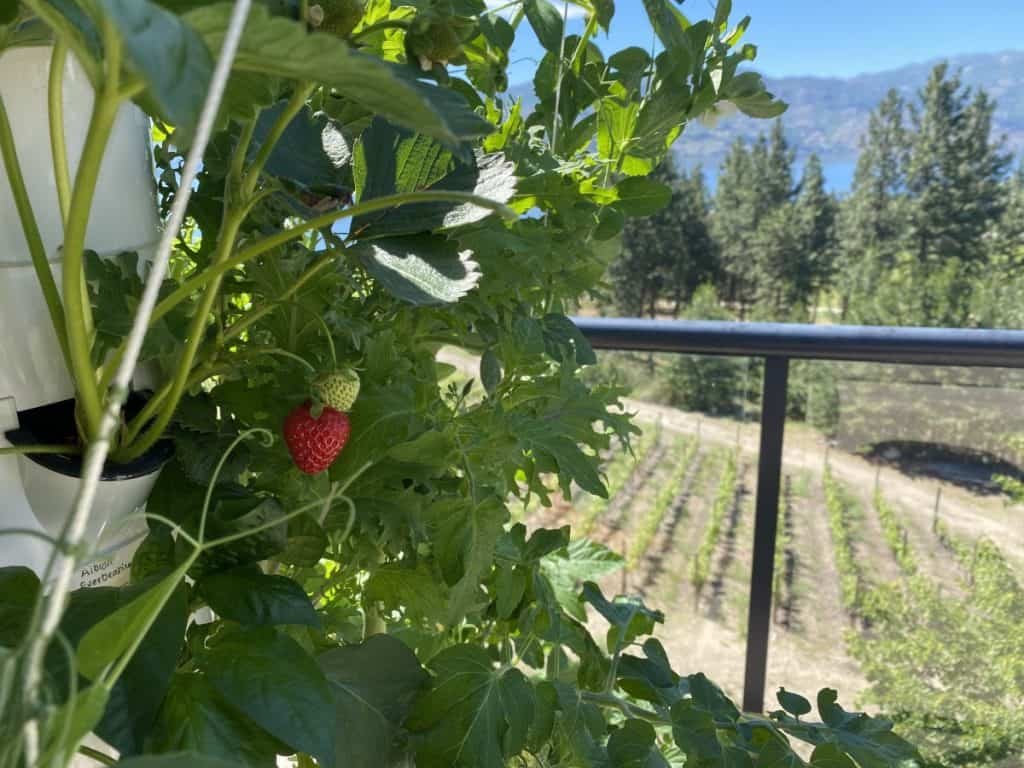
(816,212)
(667,255)
(871,218)
(954,172)
(696,257)
(773,169)
(734,224)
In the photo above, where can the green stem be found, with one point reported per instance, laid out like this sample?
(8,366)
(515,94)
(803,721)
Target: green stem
(95,754)
(16,450)
(241,150)
(629,710)
(252,316)
(78,315)
(225,242)
(217,270)
(291,109)
(58,145)
(30,229)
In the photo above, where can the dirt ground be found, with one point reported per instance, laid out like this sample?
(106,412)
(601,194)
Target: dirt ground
(705,632)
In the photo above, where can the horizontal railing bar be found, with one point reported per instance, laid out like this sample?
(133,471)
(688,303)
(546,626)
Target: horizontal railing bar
(861,343)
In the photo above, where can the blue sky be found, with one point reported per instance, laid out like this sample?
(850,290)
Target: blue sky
(832,37)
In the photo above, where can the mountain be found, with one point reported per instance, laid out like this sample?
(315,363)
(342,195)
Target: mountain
(828,115)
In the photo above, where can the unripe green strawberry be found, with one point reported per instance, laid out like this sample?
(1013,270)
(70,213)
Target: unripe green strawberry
(337,389)
(340,17)
(436,41)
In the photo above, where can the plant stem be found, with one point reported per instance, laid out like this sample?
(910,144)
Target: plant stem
(58,145)
(291,109)
(30,228)
(629,710)
(95,754)
(215,271)
(225,242)
(77,320)
(16,450)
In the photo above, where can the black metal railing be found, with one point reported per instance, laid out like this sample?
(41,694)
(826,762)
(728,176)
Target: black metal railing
(778,343)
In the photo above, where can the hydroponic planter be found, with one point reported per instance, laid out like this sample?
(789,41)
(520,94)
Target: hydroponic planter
(51,483)
(123,218)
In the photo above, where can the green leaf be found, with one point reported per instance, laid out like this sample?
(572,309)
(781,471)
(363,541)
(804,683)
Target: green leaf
(74,720)
(670,26)
(307,542)
(249,596)
(869,740)
(793,703)
(628,616)
(136,698)
(390,160)
(831,756)
(474,715)
(312,152)
(422,269)
(270,678)
(373,684)
(632,745)
(464,535)
(563,340)
(641,196)
(19,588)
(168,54)
(8,11)
(111,637)
(279,47)
(236,513)
(747,91)
(546,22)
(196,718)
(583,560)
(177,760)
(415,589)
(490,371)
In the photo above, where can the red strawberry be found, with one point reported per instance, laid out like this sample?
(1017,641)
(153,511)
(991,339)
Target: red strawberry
(315,442)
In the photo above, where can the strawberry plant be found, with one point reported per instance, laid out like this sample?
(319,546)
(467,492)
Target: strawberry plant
(353,594)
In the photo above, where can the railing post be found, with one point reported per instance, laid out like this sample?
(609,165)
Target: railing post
(769,473)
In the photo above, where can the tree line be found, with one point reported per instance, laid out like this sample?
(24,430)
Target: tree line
(931,232)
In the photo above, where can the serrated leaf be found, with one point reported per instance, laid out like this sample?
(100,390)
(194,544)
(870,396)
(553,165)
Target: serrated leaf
(583,560)
(373,684)
(270,678)
(628,616)
(414,589)
(251,597)
(422,269)
(170,56)
(831,756)
(390,160)
(277,47)
(473,715)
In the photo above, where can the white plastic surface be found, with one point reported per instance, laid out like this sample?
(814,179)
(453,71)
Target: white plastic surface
(123,215)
